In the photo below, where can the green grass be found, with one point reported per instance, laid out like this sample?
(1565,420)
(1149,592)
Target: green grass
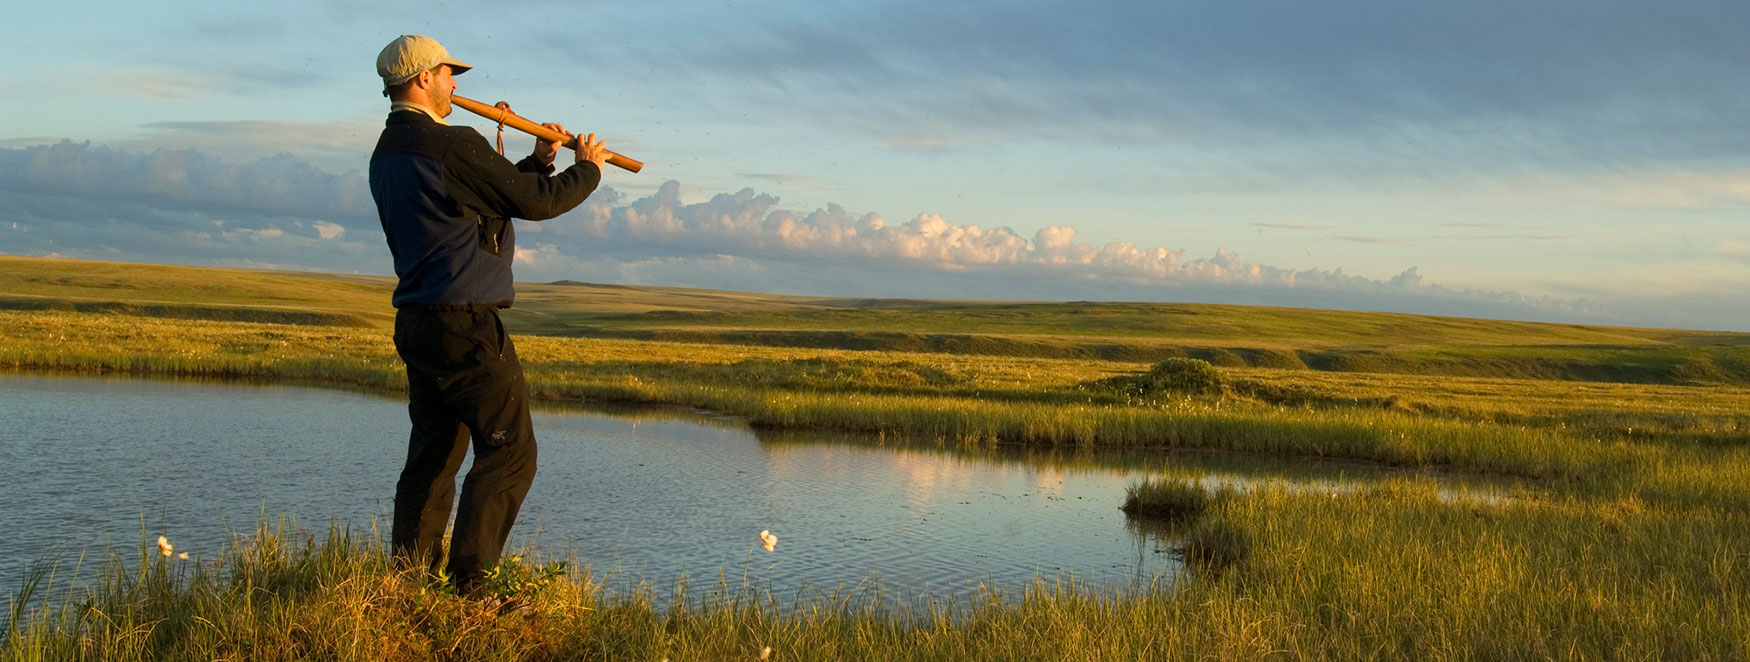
(192,292)
(1226,335)
(1388,573)
(1167,499)
(1682,444)
(1623,539)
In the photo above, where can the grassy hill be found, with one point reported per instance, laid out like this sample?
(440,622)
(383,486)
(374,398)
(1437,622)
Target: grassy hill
(1226,335)
(193,292)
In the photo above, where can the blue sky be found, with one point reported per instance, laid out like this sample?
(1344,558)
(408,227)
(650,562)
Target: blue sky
(1563,161)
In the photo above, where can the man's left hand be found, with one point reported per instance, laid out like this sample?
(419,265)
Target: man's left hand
(546,151)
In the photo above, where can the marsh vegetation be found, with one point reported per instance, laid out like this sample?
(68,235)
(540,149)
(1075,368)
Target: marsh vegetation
(1626,540)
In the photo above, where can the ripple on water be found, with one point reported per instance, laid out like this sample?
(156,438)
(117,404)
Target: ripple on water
(642,498)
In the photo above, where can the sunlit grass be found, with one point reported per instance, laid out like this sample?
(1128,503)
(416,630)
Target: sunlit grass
(1225,335)
(1663,442)
(1387,572)
(1167,498)
(1625,541)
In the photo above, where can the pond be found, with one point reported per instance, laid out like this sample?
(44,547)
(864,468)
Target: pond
(640,495)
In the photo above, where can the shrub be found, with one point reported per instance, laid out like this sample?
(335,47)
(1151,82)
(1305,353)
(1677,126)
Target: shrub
(1185,376)
(1172,376)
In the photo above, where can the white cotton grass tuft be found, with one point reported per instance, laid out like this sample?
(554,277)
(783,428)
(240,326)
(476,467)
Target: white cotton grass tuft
(770,541)
(766,653)
(164,546)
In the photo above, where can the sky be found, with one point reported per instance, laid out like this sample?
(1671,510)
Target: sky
(1567,161)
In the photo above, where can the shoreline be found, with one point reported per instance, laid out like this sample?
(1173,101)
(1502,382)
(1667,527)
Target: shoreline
(1631,546)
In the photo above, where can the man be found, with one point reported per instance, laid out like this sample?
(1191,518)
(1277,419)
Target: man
(445,199)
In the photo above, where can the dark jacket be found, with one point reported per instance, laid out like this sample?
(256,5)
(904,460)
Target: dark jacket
(445,199)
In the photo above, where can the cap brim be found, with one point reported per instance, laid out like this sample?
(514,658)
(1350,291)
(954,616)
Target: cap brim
(457,66)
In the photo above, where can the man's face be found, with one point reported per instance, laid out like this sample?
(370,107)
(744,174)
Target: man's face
(438,95)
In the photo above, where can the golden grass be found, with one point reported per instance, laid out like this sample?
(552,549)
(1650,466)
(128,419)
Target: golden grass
(1538,429)
(1388,573)
(1627,544)
(1226,335)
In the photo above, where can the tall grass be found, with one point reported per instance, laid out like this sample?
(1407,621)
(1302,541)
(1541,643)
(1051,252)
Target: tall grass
(1167,498)
(1392,572)
(973,401)
(1628,544)
(1534,579)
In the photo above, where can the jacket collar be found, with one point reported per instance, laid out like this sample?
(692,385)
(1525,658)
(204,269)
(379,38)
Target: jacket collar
(409,105)
(409,117)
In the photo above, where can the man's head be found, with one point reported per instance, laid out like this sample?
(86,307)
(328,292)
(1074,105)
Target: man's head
(417,68)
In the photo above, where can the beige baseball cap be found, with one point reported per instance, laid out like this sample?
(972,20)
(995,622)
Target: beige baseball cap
(410,54)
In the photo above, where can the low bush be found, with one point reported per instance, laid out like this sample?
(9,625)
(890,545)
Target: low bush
(1185,376)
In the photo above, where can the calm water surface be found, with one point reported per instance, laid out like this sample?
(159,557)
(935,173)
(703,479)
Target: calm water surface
(644,496)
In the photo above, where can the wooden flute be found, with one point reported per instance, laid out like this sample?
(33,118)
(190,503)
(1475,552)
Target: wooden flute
(512,120)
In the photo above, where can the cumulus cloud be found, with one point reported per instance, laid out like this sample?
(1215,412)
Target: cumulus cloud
(833,251)
(188,179)
(750,223)
(82,200)
(184,206)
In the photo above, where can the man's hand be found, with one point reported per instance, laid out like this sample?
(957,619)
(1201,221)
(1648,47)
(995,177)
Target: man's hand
(589,148)
(546,151)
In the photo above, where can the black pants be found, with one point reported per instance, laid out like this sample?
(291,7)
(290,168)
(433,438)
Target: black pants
(463,382)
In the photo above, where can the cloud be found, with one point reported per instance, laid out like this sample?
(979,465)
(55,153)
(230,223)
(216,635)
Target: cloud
(27,141)
(1501,237)
(785,179)
(751,224)
(147,231)
(1681,189)
(1374,86)
(1386,241)
(1291,226)
(969,260)
(1411,240)
(81,200)
(179,77)
(190,180)
(327,230)
(338,145)
(1734,250)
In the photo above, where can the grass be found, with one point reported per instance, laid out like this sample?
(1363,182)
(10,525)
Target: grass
(1224,335)
(1536,429)
(1169,499)
(1623,540)
(1390,572)
(190,293)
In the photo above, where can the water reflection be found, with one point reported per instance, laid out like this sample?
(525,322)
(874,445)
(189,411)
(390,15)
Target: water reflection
(639,494)
(643,495)
(1214,468)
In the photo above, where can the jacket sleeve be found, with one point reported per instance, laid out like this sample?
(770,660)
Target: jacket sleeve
(531,164)
(479,178)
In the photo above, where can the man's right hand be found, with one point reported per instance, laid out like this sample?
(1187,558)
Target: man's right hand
(589,148)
